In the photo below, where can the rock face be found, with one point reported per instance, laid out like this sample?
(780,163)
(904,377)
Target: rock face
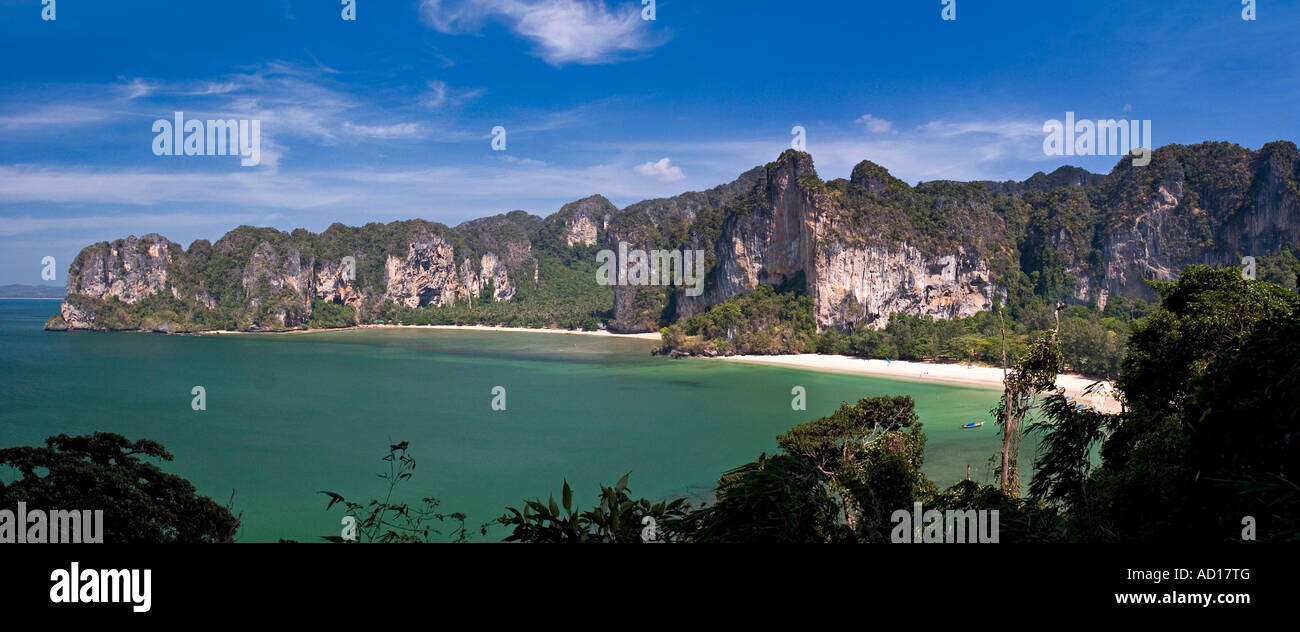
(771,242)
(1211,204)
(581,231)
(580,223)
(127,269)
(334,283)
(866,285)
(490,273)
(428,275)
(780,224)
(425,276)
(585,220)
(872,246)
(281,275)
(272,278)
(860,248)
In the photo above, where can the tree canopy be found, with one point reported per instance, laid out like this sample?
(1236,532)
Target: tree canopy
(106,471)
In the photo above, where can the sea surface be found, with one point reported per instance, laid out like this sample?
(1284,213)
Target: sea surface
(289,415)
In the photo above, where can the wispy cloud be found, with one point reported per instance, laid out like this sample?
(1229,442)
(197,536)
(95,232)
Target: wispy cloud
(437,94)
(298,106)
(1008,129)
(876,125)
(156,222)
(138,88)
(563,31)
(52,116)
(398,130)
(440,94)
(211,87)
(444,192)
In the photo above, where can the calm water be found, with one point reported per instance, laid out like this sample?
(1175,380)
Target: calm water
(291,414)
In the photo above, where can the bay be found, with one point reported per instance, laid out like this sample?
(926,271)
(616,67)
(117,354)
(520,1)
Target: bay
(289,415)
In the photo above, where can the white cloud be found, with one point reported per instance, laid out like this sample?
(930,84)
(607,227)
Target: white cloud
(530,162)
(138,88)
(563,31)
(40,118)
(212,88)
(1009,129)
(876,125)
(437,94)
(439,193)
(398,130)
(441,94)
(155,222)
(662,170)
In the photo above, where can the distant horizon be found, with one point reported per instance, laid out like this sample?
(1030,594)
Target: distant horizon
(33,291)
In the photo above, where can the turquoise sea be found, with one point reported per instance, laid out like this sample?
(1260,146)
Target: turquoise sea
(289,415)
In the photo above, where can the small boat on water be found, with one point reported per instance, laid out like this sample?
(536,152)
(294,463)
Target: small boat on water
(973,424)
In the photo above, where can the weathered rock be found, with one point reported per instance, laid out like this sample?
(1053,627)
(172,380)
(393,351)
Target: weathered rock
(866,285)
(783,229)
(862,248)
(75,317)
(585,220)
(333,285)
(863,256)
(127,269)
(426,275)
(278,276)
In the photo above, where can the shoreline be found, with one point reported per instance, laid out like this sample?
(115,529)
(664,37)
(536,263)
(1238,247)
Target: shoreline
(968,375)
(540,330)
(957,374)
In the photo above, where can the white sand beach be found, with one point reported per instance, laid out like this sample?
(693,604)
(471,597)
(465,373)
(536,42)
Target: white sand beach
(960,374)
(599,332)
(539,330)
(963,374)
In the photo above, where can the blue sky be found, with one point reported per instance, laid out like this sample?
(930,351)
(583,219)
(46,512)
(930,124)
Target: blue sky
(388,117)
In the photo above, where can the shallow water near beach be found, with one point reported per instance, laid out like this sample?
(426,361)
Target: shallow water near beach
(289,415)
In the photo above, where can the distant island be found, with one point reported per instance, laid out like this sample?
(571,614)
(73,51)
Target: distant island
(32,291)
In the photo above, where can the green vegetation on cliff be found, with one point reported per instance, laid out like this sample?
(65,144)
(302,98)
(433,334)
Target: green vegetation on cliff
(773,320)
(1068,236)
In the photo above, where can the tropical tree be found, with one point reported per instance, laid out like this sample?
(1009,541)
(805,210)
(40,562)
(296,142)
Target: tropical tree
(106,471)
(777,499)
(1210,382)
(1065,453)
(840,445)
(1035,372)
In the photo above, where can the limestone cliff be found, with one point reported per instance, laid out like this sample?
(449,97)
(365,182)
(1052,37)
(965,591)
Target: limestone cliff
(781,224)
(127,269)
(860,248)
(867,284)
(264,279)
(872,245)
